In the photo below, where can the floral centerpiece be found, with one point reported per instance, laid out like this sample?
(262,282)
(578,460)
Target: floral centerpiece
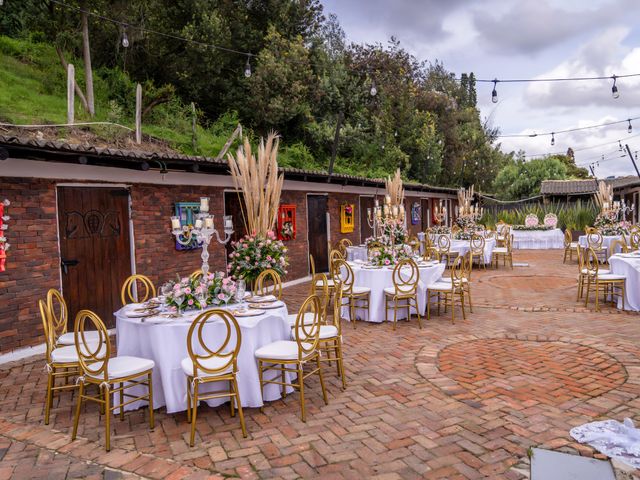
(199,292)
(253,254)
(441,230)
(531,227)
(390,254)
(607,224)
(394,228)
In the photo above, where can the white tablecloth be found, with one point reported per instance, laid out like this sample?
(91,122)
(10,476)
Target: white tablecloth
(629,267)
(378,279)
(357,252)
(607,240)
(537,239)
(165,342)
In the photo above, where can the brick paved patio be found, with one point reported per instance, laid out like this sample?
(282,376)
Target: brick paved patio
(449,401)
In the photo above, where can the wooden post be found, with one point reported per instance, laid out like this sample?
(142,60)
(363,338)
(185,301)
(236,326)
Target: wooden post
(194,138)
(71,80)
(139,114)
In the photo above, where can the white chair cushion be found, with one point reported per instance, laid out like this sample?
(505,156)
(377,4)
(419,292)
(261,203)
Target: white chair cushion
(328,331)
(126,366)
(280,350)
(573,245)
(600,272)
(291,318)
(500,250)
(67,338)
(448,280)
(440,287)
(212,363)
(329,283)
(360,290)
(392,291)
(610,276)
(68,354)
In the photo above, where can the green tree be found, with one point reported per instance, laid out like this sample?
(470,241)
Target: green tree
(522,179)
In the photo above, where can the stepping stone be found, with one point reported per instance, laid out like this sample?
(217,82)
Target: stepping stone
(549,465)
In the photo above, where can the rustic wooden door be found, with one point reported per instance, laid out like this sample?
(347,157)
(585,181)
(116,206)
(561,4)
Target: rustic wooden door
(365,230)
(94,248)
(317,231)
(233,207)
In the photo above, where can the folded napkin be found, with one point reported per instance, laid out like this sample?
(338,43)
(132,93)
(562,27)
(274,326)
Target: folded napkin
(263,298)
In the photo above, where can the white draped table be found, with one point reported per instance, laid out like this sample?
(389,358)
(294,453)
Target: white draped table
(607,240)
(537,239)
(629,266)
(379,278)
(164,340)
(357,252)
(463,246)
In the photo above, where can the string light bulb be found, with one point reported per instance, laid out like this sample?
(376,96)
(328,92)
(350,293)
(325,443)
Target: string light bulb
(553,139)
(614,88)
(247,68)
(373,90)
(125,39)
(630,128)
(494,93)
(620,145)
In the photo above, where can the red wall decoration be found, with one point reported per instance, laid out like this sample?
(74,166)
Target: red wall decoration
(287,222)
(4,246)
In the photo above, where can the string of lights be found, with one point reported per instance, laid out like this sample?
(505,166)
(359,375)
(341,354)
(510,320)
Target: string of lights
(373,88)
(575,150)
(568,130)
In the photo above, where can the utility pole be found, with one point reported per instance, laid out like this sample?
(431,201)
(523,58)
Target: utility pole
(632,159)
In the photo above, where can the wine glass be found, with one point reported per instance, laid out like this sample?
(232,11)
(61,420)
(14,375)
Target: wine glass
(179,299)
(201,296)
(241,288)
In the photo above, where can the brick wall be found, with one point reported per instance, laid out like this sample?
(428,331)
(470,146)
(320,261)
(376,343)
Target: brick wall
(335,202)
(33,260)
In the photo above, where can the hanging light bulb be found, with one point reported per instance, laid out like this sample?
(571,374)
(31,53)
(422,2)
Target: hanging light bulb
(125,39)
(247,68)
(373,90)
(630,128)
(553,139)
(614,88)
(494,93)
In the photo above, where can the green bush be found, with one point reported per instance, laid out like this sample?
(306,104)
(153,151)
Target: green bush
(575,216)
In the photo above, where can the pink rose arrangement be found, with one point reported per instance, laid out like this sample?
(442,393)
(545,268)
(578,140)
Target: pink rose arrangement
(254,254)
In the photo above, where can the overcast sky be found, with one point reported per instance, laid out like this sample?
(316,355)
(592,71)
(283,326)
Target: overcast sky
(526,39)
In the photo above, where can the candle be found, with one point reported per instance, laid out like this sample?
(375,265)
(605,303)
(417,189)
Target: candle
(228,223)
(385,209)
(402,209)
(456,210)
(387,199)
(204,204)
(369,213)
(395,210)
(198,224)
(375,202)
(175,223)
(208,222)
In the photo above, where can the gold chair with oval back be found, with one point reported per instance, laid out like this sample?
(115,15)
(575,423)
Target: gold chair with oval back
(450,290)
(476,250)
(298,353)
(212,358)
(569,245)
(612,284)
(357,297)
(130,291)
(404,293)
(100,369)
(269,283)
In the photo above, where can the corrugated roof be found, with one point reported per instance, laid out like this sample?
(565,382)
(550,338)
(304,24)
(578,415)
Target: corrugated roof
(31,148)
(622,182)
(568,187)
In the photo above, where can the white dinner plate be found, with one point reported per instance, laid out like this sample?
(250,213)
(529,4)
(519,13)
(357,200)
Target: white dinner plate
(264,298)
(251,312)
(267,305)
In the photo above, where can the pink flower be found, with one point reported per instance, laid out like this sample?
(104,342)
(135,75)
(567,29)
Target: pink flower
(190,302)
(247,258)
(386,261)
(269,257)
(187,290)
(221,296)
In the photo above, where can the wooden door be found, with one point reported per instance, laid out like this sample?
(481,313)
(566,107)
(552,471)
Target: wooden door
(317,231)
(365,230)
(233,207)
(94,249)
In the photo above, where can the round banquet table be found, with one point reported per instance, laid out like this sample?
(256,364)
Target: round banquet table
(463,246)
(607,240)
(357,252)
(629,266)
(537,239)
(164,340)
(380,278)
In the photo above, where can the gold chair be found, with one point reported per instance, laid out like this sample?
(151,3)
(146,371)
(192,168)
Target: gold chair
(372,247)
(312,264)
(443,250)
(404,293)
(59,315)
(569,246)
(449,290)
(611,284)
(414,243)
(99,369)
(589,230)
(634,240)
(216,363)
(62,362)
(594,241)
(357,297)
(618,243)
(505,252)
(503,230)
(342,245)
(298,353)
(466,278)
(333,256)
(129,292)
(429,250)
(269,283)
(196,274)
(476,250)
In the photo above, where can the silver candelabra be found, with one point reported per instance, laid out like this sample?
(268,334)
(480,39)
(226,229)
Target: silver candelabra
(202,231)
